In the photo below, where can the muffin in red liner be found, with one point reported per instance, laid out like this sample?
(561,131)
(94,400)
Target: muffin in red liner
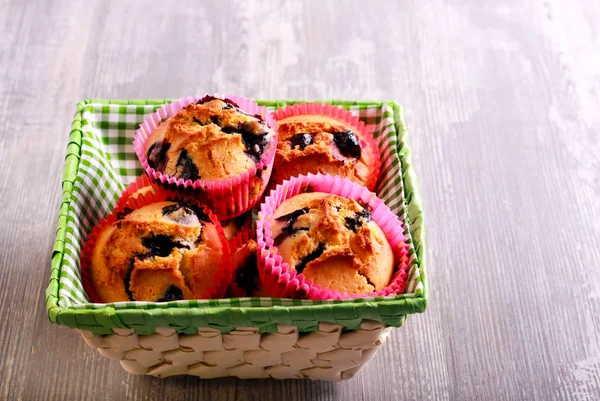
(218,148)
(160,247)
(140,186)
(321,138)
(335,231)
(245,281)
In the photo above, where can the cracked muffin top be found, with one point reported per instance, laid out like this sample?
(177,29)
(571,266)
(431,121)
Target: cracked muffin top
(333,241)
(165,251)
(211,139)
(322,144)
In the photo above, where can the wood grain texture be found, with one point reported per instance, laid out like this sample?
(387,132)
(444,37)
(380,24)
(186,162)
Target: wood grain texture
(502,101)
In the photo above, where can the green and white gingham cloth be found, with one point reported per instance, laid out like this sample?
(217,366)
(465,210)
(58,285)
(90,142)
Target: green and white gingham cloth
(108,164)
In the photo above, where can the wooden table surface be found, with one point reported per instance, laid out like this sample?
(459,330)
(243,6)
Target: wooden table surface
(502,101)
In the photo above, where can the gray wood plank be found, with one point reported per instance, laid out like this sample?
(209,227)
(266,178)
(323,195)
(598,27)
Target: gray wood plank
(502,102)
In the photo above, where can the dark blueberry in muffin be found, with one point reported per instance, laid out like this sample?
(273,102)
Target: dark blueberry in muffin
(230,103)
(301,140)
(310,257)
(360,218)
(125,212)
(347,143)
(201,123)
(289,229)
(215,120)
(255,138)
(160,245)
(185,167)
(157,155)
(172,294)
(245,276)
(180,213)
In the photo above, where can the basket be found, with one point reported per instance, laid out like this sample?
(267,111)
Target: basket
(242,337)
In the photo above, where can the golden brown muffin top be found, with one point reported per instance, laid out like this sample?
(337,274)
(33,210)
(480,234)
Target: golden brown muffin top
(211,139)
(333,241)
(321,144)
(164,251)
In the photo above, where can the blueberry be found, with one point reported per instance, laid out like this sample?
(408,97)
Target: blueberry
(172,294)
(301,140)
(125,212)
(347,143)
(358,219)
(289,229)
(160,245)
(245,276)
(180,213)
(206,99)
(185,167)
(310,257)
(157,155)
(215,120)
(255,138)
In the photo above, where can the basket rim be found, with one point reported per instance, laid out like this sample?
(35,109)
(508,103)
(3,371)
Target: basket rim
(349,313)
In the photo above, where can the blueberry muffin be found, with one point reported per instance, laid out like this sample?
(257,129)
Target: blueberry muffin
(322,144)
(332,241)
(232,227)
(165,251)
(246,281)
(212,139)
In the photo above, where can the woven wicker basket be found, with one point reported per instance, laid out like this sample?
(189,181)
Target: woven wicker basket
(245,337)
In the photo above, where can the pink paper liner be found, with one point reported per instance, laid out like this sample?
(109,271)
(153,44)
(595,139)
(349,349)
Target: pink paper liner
(282,281)
(221,280)
(345,116)
(227,197)
(141,182)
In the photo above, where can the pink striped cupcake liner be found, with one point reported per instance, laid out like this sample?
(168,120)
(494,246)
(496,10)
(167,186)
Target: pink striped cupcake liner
(344,116)
(280,280)
(227,197)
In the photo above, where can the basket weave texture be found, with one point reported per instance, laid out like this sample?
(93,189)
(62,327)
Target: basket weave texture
(243,337)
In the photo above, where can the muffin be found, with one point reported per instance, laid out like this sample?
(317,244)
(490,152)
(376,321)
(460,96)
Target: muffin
(164,251)
(312,143)
(141,186)
(211,139)
(246,281)
(232,227)
(332,241)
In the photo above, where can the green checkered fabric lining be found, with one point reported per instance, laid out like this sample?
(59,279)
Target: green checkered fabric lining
(108,163)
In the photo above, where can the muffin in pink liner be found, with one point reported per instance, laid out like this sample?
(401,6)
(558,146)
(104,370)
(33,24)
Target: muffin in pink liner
(220,148)
(140,186)
(245,281)
(160,247)
(321,138)
(335,231)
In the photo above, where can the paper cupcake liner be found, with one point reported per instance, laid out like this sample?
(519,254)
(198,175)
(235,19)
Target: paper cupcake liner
(281,280)
(339,113)
(141,182)
(221,280)
(227,197)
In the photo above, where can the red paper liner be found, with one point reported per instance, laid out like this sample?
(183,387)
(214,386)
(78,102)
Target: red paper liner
(227,197)
(344,116)
(281,280)
(141,182)
(221,280)
(236,244)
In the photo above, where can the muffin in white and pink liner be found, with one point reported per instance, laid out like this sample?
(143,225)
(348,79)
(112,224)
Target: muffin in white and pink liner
(219,148)
(321,138)
(325,237)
